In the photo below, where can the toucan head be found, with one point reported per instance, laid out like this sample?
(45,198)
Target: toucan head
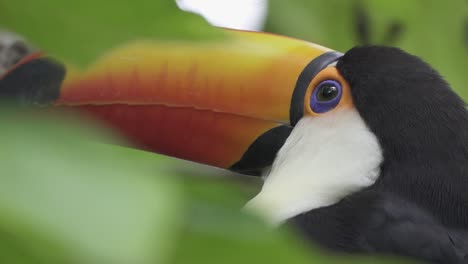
(317,124)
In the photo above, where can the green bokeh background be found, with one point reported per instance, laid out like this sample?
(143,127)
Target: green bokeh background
(66,199)
(437,31)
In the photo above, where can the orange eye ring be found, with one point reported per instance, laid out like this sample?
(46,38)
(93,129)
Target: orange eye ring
(332,74)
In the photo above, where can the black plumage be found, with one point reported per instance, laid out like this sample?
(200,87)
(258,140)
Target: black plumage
(419,205)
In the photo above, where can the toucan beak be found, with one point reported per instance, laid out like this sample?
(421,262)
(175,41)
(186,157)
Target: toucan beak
(229,103)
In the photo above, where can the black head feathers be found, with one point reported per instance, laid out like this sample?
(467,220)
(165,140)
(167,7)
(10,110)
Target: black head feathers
(422,126)
(404,100)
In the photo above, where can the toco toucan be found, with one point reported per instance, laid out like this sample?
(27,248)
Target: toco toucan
(363,152)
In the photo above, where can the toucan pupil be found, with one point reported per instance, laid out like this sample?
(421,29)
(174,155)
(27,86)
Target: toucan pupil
(327,92)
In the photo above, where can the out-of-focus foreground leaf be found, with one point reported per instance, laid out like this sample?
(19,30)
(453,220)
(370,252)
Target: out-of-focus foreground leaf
(434,30)
(65,199)
(215,231)
(80,30)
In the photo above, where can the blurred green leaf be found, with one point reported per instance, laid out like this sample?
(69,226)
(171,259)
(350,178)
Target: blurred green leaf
(215,230)
(80,30)
(65,199)
(434,30)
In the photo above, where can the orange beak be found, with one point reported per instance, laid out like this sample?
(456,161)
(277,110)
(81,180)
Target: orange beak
(230,104)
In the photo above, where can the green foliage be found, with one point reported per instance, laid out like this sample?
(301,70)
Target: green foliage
(80,30)
(64,199)
(214,231)
(434,30)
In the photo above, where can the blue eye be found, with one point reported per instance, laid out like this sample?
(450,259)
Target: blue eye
(325,96)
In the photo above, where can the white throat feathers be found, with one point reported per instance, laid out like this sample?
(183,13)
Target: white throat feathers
(324,159)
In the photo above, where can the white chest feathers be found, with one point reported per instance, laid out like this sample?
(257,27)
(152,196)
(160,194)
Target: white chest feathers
(324,159)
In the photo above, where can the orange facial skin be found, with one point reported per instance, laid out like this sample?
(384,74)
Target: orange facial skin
(329,73)
(202,101)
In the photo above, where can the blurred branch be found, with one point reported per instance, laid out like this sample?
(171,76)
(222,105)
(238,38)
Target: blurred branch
(362,24)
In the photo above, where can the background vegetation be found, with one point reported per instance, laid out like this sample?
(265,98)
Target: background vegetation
(66,200)
(437,31)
